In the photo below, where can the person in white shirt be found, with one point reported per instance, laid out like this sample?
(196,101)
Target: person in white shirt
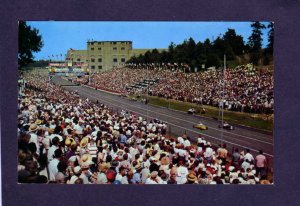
(53,148)
(154,178)
(248,156)
(78,126)
(208,154)
(246,164)
(187,142)
(121,176)
(182,172)
(53,170)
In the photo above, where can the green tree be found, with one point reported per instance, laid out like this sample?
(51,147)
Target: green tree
(270,38)
(155,56)
(171,52)
(235,41)
(164,57)
(200,55)
(213,60)
(255,41)
(29,41)
(221,47)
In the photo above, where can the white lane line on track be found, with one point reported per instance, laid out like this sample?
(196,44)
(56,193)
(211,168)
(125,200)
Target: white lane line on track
(224,132)
(197,132)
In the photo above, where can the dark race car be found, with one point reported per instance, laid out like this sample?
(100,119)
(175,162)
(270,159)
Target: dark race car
(227,126)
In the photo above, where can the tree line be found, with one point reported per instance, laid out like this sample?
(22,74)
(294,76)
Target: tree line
(207,53)
(210,53)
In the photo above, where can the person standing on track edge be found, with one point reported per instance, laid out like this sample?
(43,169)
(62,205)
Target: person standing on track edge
(261,165)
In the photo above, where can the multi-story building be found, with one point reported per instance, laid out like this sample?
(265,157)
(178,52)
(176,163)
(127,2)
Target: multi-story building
(104,55)
(77,56)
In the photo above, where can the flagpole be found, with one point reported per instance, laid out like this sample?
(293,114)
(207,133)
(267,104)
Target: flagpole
(222,125)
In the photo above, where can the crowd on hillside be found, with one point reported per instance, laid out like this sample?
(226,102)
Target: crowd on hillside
(64,139)
(245,90)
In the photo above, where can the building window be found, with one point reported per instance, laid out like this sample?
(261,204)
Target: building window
(115,60)
(114,48)
(115,42)
(100,67)
(92,43)
(78,60)
(99,48)
(92,48)
(99,43)
(123,60)
(92,67)
(92,60)
(122,48)
(99,60)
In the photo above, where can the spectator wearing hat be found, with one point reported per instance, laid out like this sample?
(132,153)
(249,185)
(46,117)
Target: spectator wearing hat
(153,178)
(101,176)
(191,178)
(76,174)
(144,143)
(136,179)
(33,136)
(85,162)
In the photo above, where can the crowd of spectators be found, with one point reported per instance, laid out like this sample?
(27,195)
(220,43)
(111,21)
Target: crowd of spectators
(245,90)
(64,139)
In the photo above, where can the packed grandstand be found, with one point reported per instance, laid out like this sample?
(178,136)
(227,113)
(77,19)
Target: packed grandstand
(69,140)
(246,89)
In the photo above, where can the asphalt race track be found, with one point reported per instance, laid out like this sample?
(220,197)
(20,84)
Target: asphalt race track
(181,122)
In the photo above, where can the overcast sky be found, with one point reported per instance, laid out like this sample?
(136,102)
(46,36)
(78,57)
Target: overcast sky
(59,36)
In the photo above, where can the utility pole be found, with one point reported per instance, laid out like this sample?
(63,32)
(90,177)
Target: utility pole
(222,125)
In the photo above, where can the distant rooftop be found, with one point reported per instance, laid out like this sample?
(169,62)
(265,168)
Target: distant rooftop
(92,41)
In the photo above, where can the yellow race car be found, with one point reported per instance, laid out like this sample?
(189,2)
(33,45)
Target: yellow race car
(200,126)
